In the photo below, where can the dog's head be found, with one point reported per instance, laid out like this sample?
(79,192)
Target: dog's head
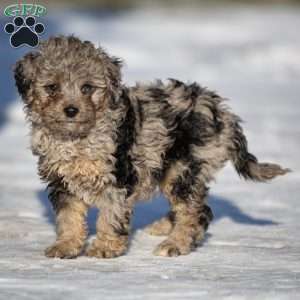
(68,84)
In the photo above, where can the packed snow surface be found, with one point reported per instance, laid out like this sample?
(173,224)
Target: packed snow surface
(250,55)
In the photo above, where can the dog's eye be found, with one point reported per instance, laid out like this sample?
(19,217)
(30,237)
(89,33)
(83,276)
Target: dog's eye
(51,88)
(87,89)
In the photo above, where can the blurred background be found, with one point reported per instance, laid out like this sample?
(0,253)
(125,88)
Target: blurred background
(244,49)
(249,52)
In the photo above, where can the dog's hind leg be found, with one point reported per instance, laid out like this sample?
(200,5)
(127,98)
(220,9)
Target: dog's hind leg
(163,226)
(187,195)
(71,226)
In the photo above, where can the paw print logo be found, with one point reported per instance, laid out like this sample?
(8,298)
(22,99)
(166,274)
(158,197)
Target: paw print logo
(24,32)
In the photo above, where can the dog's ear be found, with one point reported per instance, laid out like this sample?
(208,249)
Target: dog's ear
(114,69)
(24,71)
(112,73)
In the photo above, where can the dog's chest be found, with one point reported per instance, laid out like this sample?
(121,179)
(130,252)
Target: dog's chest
(68,160)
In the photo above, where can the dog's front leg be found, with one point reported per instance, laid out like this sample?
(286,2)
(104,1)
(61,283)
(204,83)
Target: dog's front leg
(71,226)
(113,226)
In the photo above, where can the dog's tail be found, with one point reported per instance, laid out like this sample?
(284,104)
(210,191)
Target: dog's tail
(246,164)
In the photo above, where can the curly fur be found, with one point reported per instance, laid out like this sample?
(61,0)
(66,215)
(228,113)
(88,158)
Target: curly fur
(124,144)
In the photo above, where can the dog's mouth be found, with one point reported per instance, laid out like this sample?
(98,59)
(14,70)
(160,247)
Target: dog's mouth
(70,129)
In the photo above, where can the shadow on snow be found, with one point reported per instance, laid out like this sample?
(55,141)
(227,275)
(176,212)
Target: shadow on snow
(147,212)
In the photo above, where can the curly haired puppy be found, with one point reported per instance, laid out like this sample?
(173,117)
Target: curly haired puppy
(103,144)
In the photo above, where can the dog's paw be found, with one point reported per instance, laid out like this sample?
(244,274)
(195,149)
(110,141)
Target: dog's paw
(103,253)
(170,248)
(63,249)
(161,227)
(106,249)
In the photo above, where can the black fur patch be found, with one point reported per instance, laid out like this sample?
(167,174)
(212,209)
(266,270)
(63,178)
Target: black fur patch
(193,91)
(122,227)
(22,83)
(208,212)
(56,188)
(206,216)
(140,112)
(218,123)
(125,174)
(158,174)
(183,185)
(195,129)
(172,216)
(203,222)
(157,93)
(243,156)
(176,83)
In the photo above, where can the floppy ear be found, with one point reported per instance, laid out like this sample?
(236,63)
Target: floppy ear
(112,73)
(24,74)
(115,80)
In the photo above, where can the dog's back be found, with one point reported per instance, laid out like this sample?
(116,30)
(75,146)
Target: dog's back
(187,124)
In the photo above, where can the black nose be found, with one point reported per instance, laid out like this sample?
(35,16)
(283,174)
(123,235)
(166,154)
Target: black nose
(71,111)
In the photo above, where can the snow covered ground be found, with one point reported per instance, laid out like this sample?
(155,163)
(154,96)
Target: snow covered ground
(252,251)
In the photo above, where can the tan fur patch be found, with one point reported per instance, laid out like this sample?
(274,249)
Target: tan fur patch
(161,227)
(71,230)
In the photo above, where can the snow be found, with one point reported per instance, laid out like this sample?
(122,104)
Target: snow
(248,54)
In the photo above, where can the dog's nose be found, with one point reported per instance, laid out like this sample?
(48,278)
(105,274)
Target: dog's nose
(71,111)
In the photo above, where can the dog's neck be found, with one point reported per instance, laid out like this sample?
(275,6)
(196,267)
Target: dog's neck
(104,140)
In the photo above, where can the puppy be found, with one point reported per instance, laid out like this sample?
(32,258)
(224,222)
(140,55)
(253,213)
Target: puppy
(103,144)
